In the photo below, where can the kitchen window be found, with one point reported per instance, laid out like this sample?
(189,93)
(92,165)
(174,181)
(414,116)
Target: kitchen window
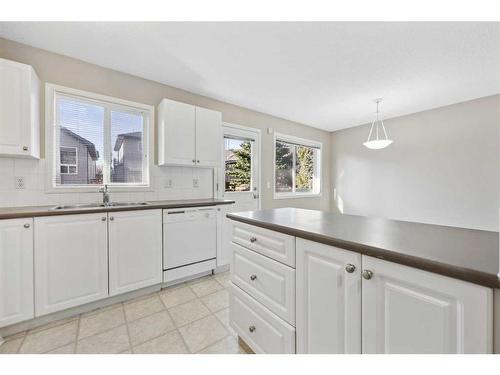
(97,140)
(297,167)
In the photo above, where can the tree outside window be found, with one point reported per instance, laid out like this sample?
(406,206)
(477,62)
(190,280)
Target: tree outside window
(238,164)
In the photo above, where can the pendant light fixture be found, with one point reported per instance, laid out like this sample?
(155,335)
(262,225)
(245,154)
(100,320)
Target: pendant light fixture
(377,142)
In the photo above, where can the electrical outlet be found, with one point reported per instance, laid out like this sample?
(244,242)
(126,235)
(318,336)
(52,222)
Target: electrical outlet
(196,182)
(268,184)
(169,183)
(19,182)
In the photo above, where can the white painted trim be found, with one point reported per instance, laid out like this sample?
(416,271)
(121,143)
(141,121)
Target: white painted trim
(304,142)
(258,134)
(122,104)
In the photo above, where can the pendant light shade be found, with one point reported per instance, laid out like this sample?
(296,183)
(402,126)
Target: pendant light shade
(378,139)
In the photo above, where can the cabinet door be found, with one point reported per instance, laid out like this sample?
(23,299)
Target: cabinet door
(71,261)
(406,310)
(328,299)
(14,108)
(176,133)
(16,271)
(135,250)
(208,137)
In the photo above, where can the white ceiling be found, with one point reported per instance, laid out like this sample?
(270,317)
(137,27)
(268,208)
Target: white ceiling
(320,74)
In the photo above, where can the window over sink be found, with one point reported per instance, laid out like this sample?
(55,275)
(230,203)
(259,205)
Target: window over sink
(94,140)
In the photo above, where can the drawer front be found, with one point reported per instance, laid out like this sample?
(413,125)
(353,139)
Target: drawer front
(278,246)
(269,282)
(263,331)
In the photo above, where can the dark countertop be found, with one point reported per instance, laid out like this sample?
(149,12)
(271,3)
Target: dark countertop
(466,254)
(32,211)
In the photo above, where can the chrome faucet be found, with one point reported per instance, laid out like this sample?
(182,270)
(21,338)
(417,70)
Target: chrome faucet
(105,195)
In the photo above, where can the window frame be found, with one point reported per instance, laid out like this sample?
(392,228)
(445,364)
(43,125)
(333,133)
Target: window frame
(318,168)
(111,103)
(70,165)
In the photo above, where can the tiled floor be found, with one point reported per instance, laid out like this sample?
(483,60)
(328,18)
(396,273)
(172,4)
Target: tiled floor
(188,318)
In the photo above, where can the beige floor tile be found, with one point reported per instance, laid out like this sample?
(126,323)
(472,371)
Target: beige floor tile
(11,346)
(149,327)
(200,279)
(228,345)
(113,341)
(51,338)
(143,307)
(202,333)
(66,349)
(101,321)
(188,312)
(102,309)
(170,343)
(217,301)
(223,279)
(177,296)
(54,324)
(206,287)
(223,316)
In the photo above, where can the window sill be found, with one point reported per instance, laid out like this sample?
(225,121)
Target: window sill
(296,195)
(95,189)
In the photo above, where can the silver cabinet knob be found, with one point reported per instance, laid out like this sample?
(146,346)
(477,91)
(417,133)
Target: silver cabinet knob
(350,268)
(367,274)
(26,225)
(103,218)
(111,218)
(194,161)
(253,239)
(253,277)
(25,148)
(198,161)
(251,328)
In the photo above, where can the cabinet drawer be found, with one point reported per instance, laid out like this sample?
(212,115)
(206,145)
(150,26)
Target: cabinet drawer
(269,282)
(278,246)
(263,331)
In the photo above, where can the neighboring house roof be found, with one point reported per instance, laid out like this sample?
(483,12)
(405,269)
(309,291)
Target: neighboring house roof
(94,154)
(120,138)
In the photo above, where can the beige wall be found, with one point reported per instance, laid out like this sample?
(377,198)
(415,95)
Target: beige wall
(443,168)
(66,71)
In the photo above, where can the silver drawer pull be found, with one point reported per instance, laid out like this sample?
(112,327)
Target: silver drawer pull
(26,225)
(253,239)
(251,328)
(367,274)
(253,277)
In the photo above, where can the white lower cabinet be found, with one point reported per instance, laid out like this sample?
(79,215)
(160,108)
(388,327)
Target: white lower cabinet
(328,299)
(384,307)
(135,250)
(71,261)
(406,310)
(16,271)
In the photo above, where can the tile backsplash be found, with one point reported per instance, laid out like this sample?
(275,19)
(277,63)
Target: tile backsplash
(22,183)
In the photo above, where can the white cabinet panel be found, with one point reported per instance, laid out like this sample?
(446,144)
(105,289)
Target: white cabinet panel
(269,282)
(19,110)
(135,250)
(262,330)
(328,299)
(16,271)
(176,133)
(71,261)
(406,310)
(208,137)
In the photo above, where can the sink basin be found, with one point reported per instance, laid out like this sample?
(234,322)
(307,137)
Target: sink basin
(98,205)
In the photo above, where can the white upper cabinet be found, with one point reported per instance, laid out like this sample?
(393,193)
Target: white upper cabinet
(208,137)
(135,250)
(328,299)
(406,310)
(71,261)
(19,110)
(188,135)
(16,271)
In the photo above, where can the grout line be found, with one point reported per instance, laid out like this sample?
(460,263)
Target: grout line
(127,328)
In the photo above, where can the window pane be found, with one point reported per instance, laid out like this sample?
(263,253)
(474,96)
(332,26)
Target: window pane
(238,164)
(284,167)
(304,169)
(81,133)
(126,146)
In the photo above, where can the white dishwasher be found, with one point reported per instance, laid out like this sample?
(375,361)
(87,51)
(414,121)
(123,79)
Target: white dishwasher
(189,242)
